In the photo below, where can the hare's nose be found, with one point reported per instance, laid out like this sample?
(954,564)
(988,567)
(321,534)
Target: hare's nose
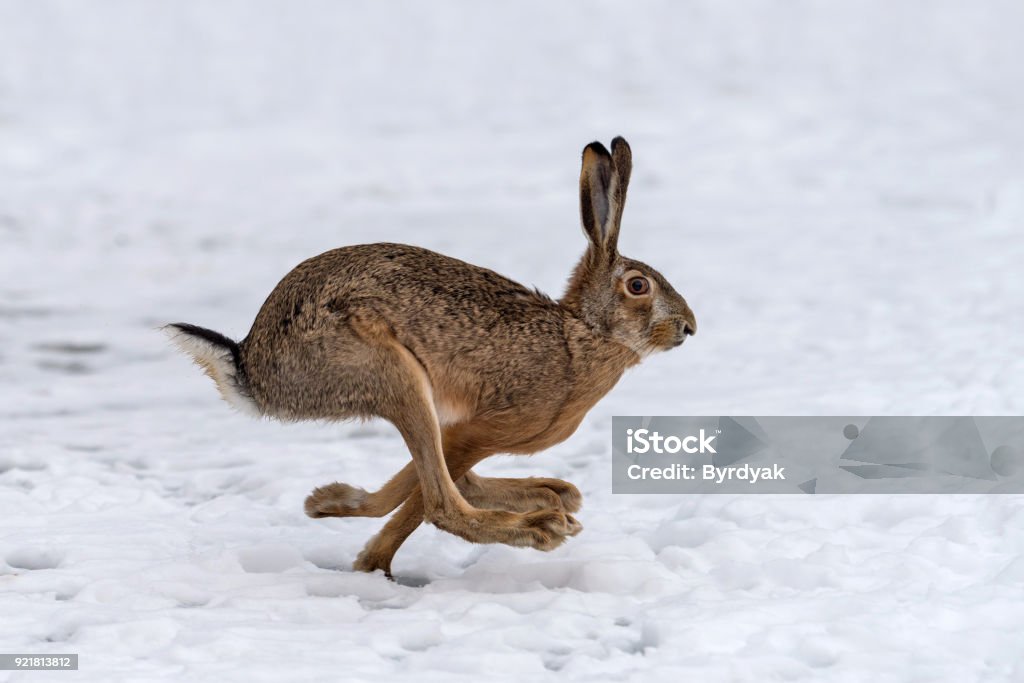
(685,327)
(689,324)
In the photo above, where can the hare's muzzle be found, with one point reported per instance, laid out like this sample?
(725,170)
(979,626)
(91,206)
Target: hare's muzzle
(685,327)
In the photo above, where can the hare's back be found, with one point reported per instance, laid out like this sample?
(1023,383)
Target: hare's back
(434,300)
(476,332)
(409,283)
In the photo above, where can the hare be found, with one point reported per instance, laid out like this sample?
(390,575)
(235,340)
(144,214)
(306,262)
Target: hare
(463,362)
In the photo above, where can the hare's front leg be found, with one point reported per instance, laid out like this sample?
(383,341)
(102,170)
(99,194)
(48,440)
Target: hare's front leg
(404,397)
(519,495)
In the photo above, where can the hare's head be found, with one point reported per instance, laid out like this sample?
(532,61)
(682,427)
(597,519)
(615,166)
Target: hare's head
(625,299)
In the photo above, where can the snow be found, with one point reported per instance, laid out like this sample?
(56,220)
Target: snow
(837,189)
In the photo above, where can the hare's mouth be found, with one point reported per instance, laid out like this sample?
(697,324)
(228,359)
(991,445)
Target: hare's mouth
(672,333)
(668,334)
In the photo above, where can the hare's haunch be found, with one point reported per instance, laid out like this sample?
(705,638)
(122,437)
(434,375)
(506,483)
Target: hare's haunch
(464,362)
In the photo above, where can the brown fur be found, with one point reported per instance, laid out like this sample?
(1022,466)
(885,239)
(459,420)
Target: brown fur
(465,363)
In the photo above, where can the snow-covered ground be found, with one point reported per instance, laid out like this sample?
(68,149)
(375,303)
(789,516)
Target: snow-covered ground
(837,188)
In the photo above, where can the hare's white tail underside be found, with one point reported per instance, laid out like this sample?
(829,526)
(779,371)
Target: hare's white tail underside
(219,358)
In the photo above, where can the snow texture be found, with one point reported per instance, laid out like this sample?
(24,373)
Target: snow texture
(837,189)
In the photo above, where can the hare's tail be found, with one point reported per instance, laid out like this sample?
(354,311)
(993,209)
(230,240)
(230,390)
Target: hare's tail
(220,358)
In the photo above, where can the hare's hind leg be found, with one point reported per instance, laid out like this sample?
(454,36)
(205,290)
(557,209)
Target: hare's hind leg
(402,394)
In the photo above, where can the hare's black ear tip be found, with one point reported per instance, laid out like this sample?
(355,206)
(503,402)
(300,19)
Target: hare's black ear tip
(596,147)
(619,141)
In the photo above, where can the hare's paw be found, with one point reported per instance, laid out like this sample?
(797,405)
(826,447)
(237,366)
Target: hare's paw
(550,528)
(370,560)
(574,525)
(570,495)
(542,493)
(540,529)
(521,495)
(335,500)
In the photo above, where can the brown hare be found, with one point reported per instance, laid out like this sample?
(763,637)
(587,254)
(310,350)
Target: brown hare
(464,362)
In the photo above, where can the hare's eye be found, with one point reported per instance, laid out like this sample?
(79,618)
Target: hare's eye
(638,286)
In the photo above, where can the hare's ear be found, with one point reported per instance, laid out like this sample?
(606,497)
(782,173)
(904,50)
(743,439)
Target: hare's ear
(597,178)
(603,182)
(622,162)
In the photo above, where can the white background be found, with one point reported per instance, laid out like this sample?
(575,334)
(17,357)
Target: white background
(837,189)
